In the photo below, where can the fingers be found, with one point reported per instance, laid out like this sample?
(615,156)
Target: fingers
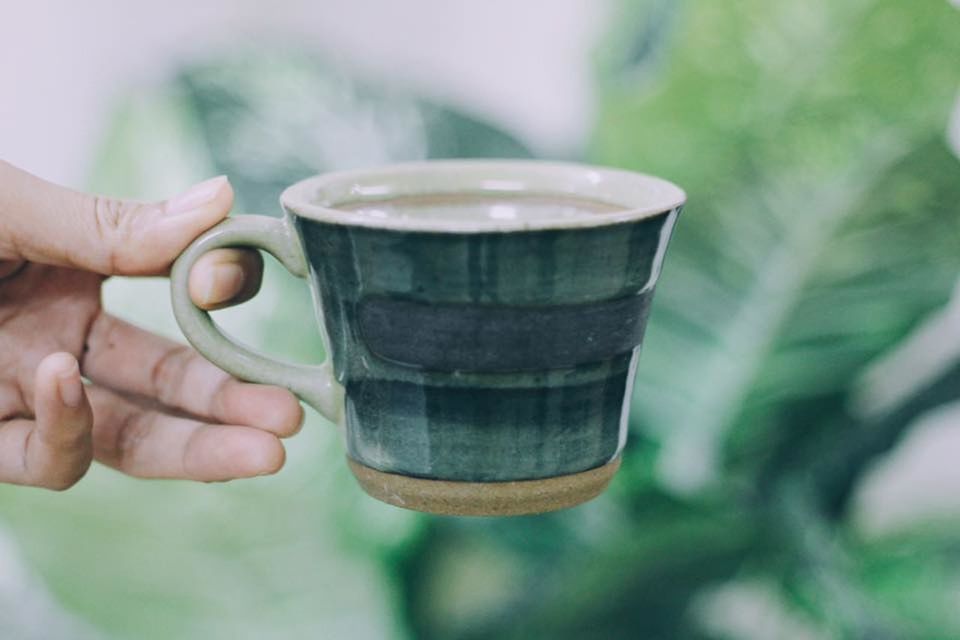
(225,277)
(55,450)
(129,359)
(149,444)
(43,222)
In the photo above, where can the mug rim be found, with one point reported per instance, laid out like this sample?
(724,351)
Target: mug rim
(640,195)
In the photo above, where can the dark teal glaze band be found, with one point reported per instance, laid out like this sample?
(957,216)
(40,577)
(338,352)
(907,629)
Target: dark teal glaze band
(486,434)
(481,338)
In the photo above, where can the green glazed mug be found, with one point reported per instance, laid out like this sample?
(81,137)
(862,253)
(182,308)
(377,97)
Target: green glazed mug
(482,321)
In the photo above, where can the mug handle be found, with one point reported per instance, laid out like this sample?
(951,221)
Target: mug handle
(314,384)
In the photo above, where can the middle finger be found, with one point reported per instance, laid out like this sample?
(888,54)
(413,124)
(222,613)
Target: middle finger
(147,443)
(129,359)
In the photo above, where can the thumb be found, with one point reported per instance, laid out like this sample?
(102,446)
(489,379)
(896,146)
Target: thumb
(43,222)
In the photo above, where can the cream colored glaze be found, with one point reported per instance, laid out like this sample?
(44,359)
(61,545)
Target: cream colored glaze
(631,196)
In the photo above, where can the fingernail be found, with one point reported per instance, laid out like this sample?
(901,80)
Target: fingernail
(224,281)
(70,387)
(196,196)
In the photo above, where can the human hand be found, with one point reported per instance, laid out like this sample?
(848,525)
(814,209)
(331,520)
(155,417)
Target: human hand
(153,408)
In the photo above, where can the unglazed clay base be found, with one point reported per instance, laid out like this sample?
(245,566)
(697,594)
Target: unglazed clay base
(485,498)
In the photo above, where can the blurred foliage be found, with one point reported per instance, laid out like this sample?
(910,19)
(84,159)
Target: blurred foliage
(821,230)
(270,121)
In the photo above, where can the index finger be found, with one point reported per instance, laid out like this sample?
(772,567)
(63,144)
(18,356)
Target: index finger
(225,277)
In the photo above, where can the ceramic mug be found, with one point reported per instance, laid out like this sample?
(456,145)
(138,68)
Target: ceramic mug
(478,365)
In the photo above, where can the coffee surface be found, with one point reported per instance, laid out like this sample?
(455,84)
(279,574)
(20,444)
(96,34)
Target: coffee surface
(480,207)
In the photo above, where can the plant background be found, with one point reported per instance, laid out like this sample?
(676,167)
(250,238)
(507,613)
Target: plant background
(792,464)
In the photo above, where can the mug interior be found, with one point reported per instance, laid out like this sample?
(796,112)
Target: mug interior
(621,196)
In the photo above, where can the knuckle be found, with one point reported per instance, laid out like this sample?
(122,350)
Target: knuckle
(167,374)
(116,223)
(108,227)
(218,399)
(133,428)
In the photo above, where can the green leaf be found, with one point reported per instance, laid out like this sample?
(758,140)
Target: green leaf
(916,577)
(551,581)
(815,234)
